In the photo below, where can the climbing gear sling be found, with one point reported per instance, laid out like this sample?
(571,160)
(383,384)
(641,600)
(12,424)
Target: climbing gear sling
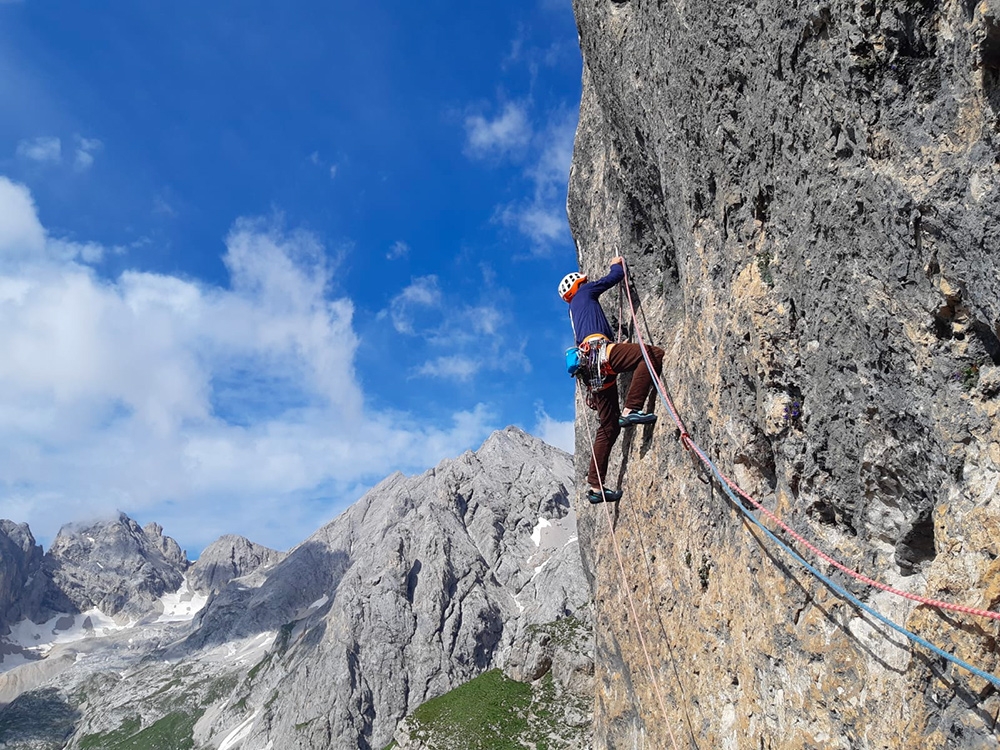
(589,361)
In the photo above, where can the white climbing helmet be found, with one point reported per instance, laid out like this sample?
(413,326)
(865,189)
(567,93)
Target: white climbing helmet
(570,283)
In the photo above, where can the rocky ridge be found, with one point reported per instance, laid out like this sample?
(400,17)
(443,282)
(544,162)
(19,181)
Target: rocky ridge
(808,196)
(119,567)
(431,579)
(422,585)
(22,587)
(113,566)
(228,557)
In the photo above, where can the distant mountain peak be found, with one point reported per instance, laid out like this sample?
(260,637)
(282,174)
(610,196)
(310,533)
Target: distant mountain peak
(114,565)
(229,557)
(513,437)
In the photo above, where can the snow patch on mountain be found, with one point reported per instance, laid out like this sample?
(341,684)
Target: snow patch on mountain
(181,605)
(29,641)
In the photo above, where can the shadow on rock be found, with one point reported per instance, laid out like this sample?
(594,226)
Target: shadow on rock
(39,719)
(309,573)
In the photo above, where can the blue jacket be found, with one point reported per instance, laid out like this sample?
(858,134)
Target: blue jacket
(585,309)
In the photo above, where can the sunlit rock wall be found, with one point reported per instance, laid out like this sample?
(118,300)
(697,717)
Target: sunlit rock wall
(807,195)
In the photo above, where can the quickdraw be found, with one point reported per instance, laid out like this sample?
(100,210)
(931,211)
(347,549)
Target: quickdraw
(595,371)
(588,362)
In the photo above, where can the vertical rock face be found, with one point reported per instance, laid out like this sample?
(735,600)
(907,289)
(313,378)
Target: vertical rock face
(807,195)
(22,586)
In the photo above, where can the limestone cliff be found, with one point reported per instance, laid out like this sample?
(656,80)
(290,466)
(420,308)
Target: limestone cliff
(22,586)
(807,195)
(422,585)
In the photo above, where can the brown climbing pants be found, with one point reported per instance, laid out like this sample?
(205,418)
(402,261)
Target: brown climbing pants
(623,358)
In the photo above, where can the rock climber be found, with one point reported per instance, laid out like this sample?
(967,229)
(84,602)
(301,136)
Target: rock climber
(602,360)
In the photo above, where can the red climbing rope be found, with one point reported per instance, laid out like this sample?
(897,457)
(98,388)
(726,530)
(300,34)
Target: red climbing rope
(854,574)
(621,316)
(689,444)
(628,593)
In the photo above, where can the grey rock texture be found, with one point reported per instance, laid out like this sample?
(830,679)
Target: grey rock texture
(423,584)
(22,585)
(42,720)
(558,657)
(116,566)
(808,198)
(226,558)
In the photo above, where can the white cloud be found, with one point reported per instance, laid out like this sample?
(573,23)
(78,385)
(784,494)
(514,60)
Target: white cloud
(542,217)
(509,131)
(552,431)
(453,368)
(516,49)
(422,292)
(85,150)
(525,52)
(162,205)
(485,320)
(21,232)
(319,161)
(43,149)
(471,338)
(543,224)
(398,250)
(187,402)
(66,250)
(551,171)
(23,240)
(48,150)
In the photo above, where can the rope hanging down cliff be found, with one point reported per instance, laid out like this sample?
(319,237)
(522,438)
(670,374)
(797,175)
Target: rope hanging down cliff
(628,592)
(731,490)
(686,439)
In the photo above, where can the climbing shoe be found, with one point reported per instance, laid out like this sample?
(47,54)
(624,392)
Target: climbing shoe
(608,495)
(636,417)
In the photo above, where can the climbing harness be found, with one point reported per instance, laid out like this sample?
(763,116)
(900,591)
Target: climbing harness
(596,370)
(734,493)
(588,362)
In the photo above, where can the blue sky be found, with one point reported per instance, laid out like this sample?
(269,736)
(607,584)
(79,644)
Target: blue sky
(256,256)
